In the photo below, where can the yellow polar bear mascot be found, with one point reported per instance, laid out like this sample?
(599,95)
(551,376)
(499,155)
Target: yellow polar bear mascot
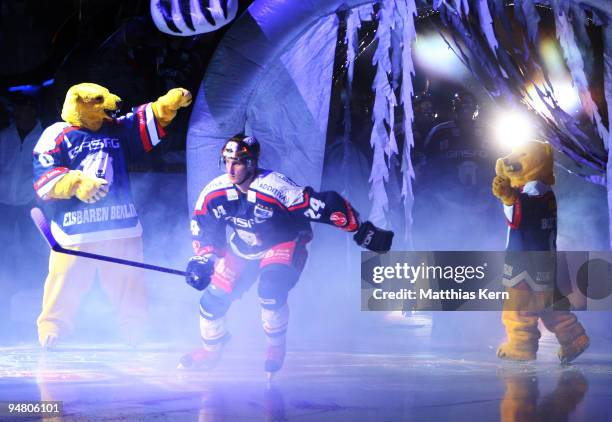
(80,171)
(523,183)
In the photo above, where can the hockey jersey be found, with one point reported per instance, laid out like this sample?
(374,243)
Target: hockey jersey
(273,211)
(532,235)
(102,153)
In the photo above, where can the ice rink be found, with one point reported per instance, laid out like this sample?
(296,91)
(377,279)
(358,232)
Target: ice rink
(109,382)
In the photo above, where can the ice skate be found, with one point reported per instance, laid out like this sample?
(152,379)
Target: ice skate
(275,357)
(203,358)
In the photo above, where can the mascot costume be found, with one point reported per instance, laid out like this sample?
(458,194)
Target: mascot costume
(80,172)
(523,183)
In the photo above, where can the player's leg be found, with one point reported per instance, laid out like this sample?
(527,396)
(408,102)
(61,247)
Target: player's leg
(216,300)
(214,304)
(125,286)
(69,278)
(280,271)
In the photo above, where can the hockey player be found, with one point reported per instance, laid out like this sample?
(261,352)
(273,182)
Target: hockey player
(270,218)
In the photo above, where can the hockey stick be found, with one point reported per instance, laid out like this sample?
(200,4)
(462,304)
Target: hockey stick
(43,226)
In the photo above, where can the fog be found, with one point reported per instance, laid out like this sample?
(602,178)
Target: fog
(325,304)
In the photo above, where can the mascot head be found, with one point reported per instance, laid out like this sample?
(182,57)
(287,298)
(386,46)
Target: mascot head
(88,105)
(528,162)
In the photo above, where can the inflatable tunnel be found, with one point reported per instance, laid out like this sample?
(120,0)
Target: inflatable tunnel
(270,77)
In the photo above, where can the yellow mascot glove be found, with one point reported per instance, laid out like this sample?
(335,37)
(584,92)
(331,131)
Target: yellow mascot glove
(75,183)
(501,187)
(91,189)
(166,106)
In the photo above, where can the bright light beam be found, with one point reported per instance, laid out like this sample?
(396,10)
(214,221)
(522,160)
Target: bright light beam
(512,128)
(434,56)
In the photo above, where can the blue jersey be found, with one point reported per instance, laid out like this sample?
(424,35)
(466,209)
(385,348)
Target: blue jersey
(103,154)
(532,236)
(273,211)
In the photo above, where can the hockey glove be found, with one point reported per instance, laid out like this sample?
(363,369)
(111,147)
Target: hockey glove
(201,269)
(371,237)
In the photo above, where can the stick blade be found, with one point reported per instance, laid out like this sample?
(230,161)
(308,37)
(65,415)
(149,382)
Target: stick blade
(43,227)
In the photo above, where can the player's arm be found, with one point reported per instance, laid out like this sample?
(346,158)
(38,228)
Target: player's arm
(330,207)
(53,179)
(208,242)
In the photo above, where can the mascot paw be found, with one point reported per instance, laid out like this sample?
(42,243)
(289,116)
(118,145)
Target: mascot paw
(91,189)
(503,190)
(166,106)
(175,98)
(508,352)
(567,353)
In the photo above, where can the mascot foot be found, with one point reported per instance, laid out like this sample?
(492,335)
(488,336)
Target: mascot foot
(569,352)
(49,342)
(509,352)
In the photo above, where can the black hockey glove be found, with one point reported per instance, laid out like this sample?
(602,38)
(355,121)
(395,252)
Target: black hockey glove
(371,237)
(201,269)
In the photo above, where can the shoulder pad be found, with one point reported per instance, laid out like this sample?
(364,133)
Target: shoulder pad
(48,139)
(280,187)
(219,182)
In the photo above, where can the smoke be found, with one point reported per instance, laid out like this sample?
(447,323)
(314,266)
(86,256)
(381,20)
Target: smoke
(325,304)
(582,214)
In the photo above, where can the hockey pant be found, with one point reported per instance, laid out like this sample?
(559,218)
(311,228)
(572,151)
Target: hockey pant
(277,273)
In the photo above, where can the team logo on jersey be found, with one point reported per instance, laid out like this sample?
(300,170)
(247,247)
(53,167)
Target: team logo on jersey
(240,222)
(100,165)
(93,145)
(338,218)
(249,238)
(262,213)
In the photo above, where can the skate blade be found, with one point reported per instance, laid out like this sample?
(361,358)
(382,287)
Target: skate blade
(269,378)
(194,368)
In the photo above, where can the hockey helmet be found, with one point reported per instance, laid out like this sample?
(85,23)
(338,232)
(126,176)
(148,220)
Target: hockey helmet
(242,148)
(465,105)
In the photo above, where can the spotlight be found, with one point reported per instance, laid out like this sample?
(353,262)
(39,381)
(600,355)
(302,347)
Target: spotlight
(433,54)
(565,93)
(513,128)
